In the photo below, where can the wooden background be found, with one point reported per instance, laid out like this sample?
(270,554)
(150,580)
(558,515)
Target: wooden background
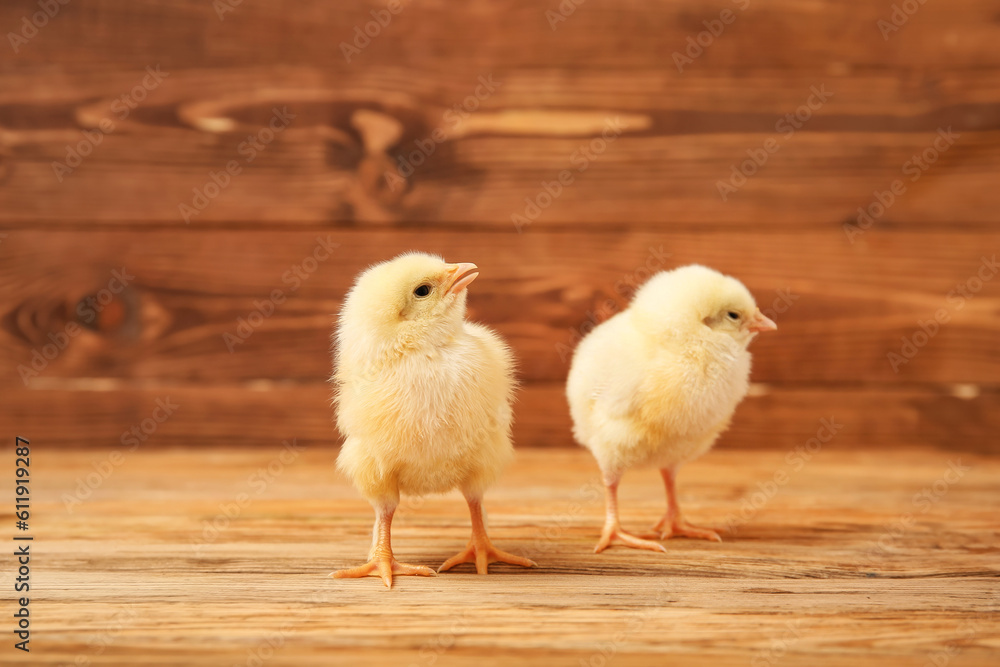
(651,193)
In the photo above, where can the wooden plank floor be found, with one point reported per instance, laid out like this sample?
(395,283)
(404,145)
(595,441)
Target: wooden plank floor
(820,568)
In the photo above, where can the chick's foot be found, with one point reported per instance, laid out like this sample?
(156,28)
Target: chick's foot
(613,534)
(384,566)
(482,553)
(666,528)
(480,549)
(672,524)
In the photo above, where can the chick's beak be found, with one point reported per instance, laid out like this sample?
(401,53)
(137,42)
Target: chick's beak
(760,322)
(461,275)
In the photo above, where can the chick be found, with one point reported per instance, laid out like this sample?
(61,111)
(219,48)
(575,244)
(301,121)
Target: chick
(423,401)
(657,383)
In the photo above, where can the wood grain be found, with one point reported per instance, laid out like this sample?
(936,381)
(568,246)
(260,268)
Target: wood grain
(850,305)
(606,34)
(666,166)
(685,130)
(100,414)
(135,573)
(846,307)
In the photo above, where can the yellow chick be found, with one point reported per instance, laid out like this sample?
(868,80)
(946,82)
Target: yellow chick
(423,401)
(657,383)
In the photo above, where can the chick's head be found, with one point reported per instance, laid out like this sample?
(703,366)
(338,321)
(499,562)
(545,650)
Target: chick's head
(697,300)
(413,300)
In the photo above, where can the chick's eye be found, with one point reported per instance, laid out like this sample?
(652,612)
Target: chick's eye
(422,290)
(733,316)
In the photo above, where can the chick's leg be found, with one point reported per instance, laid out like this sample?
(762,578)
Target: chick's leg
(381,562)
(672,524)
(480,549)
(613,533)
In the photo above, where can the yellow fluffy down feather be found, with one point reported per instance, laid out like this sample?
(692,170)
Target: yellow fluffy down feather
(423,397)
(656,384)
(423,400)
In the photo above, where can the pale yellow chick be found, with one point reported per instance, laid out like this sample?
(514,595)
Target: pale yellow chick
(423,400)
(656,384)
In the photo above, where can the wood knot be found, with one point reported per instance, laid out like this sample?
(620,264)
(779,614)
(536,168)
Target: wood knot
(112,309)
(377,172)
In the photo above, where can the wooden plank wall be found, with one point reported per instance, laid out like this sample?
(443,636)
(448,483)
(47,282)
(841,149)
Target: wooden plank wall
(489,103)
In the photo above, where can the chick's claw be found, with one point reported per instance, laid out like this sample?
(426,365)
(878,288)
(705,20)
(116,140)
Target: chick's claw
(665,531)
(635,378)
(423,398)
(615,535)
(482,554)
(384,567)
